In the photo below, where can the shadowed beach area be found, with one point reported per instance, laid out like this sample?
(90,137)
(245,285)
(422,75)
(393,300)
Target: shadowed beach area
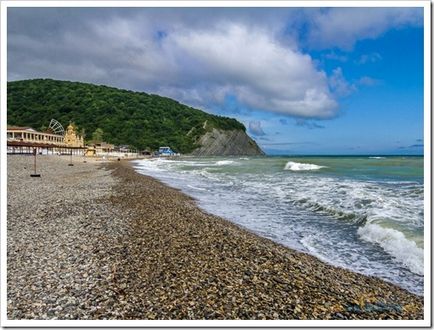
(98,241)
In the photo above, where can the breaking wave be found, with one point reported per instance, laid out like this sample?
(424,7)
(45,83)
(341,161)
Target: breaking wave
(396,244)
(379,225)
(294,166)
(224,162)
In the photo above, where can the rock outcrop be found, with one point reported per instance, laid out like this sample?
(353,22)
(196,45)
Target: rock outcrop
(227,143)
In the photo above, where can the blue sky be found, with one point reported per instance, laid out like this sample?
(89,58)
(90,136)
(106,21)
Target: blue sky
(383,110)
(303,81)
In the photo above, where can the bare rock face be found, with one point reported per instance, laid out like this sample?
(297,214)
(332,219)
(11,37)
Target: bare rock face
(227,143)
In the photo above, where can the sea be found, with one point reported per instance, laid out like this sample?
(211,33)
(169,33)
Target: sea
(363,213)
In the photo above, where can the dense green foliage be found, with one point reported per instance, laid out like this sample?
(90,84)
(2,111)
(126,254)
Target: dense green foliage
(137,119)
(98,135)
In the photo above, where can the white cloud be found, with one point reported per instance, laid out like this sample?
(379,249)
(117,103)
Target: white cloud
(255,128)
(202,58)
(368,81)
(342,27)
(198,66)
(339,85)
(369,58)
(260,71)
(336,57)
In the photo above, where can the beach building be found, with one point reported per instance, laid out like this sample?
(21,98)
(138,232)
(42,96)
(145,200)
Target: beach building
(26,139)
(71,137)
(99,149)
(124,148)
(166,152)
(107,150)
(28,134)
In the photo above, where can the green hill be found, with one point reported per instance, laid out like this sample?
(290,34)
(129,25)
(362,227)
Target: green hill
(125,117)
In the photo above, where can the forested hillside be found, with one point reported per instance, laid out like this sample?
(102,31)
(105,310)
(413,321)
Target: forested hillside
(138,119)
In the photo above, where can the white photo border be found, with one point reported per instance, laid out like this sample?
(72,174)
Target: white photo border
(426,322)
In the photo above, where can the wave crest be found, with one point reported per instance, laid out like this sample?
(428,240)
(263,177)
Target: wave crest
(224,162)
(396,244)
(294,166)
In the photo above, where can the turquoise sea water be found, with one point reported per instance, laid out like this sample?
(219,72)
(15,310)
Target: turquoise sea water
(362,213)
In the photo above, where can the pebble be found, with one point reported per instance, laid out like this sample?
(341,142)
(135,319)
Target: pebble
(99,241)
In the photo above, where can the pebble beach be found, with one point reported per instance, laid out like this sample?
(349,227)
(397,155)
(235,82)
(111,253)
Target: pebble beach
(99,241)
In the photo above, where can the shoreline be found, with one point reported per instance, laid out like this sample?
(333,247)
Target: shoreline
(150,252)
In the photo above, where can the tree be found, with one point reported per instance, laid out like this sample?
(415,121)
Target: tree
(115,116)
(97,135)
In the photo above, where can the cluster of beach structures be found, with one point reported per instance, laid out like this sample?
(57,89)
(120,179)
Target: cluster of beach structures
(99,241)
(57,141)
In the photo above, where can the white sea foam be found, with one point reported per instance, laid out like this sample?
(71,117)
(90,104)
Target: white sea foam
(324,211)
(212,178)
(377,157)
(224,162)
(396,244)
(196,188)
(195,164)
(310,242)
(294,166)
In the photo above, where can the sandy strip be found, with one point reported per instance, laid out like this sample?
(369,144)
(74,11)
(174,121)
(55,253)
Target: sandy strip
(99,241)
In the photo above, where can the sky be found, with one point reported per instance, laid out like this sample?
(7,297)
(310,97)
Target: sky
(302,80)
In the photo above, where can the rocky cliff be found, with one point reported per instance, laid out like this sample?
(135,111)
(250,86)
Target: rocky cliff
(227,143)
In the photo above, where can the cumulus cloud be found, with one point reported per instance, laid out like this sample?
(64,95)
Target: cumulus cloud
(196,64)
(255,128)
(261,72)
(198,56)
(342,27)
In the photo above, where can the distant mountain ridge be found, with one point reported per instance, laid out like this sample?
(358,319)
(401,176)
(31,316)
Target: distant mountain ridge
(138,119)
